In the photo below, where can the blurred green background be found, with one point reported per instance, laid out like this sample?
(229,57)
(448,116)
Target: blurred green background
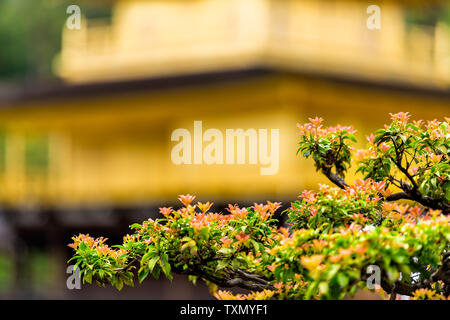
(30,35)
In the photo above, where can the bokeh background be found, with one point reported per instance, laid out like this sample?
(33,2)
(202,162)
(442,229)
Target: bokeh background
(86,115)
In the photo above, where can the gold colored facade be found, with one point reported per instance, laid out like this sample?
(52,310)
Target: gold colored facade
(116,148)
(101,143)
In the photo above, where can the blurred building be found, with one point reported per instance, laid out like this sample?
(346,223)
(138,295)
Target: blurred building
(154,38)
(94,153)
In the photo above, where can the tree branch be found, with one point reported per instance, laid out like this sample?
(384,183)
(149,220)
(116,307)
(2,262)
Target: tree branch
(336,179)
(412,193)
(127,266)
(406,289)
(409,193)
(233,278)
(246,281)
(252,277)
(402,288)
(398,196)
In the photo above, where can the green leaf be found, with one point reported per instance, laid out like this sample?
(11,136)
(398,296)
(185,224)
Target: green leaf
(152,263)
(128,281)
(400,259)
(447,194)
(221,265)
(143,273)
(119,284)
(225,251)
(410,125)
(83,246)
(88,277)
(194,250)
(156,272)
(193,279)
(165,265)
(323,287)
(342,279)
(146,257)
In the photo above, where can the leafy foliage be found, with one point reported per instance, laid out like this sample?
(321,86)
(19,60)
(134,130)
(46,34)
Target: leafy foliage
(334,233)
(410,156)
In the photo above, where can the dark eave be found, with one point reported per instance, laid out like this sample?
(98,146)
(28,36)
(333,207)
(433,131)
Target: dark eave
(36,92)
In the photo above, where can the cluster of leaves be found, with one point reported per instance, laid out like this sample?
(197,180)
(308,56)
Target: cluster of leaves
(427,294)
(333,207)
(190,240)
(334,233)
(328,146)
(412,156)
(333,264)
(98,262)
(304,264)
